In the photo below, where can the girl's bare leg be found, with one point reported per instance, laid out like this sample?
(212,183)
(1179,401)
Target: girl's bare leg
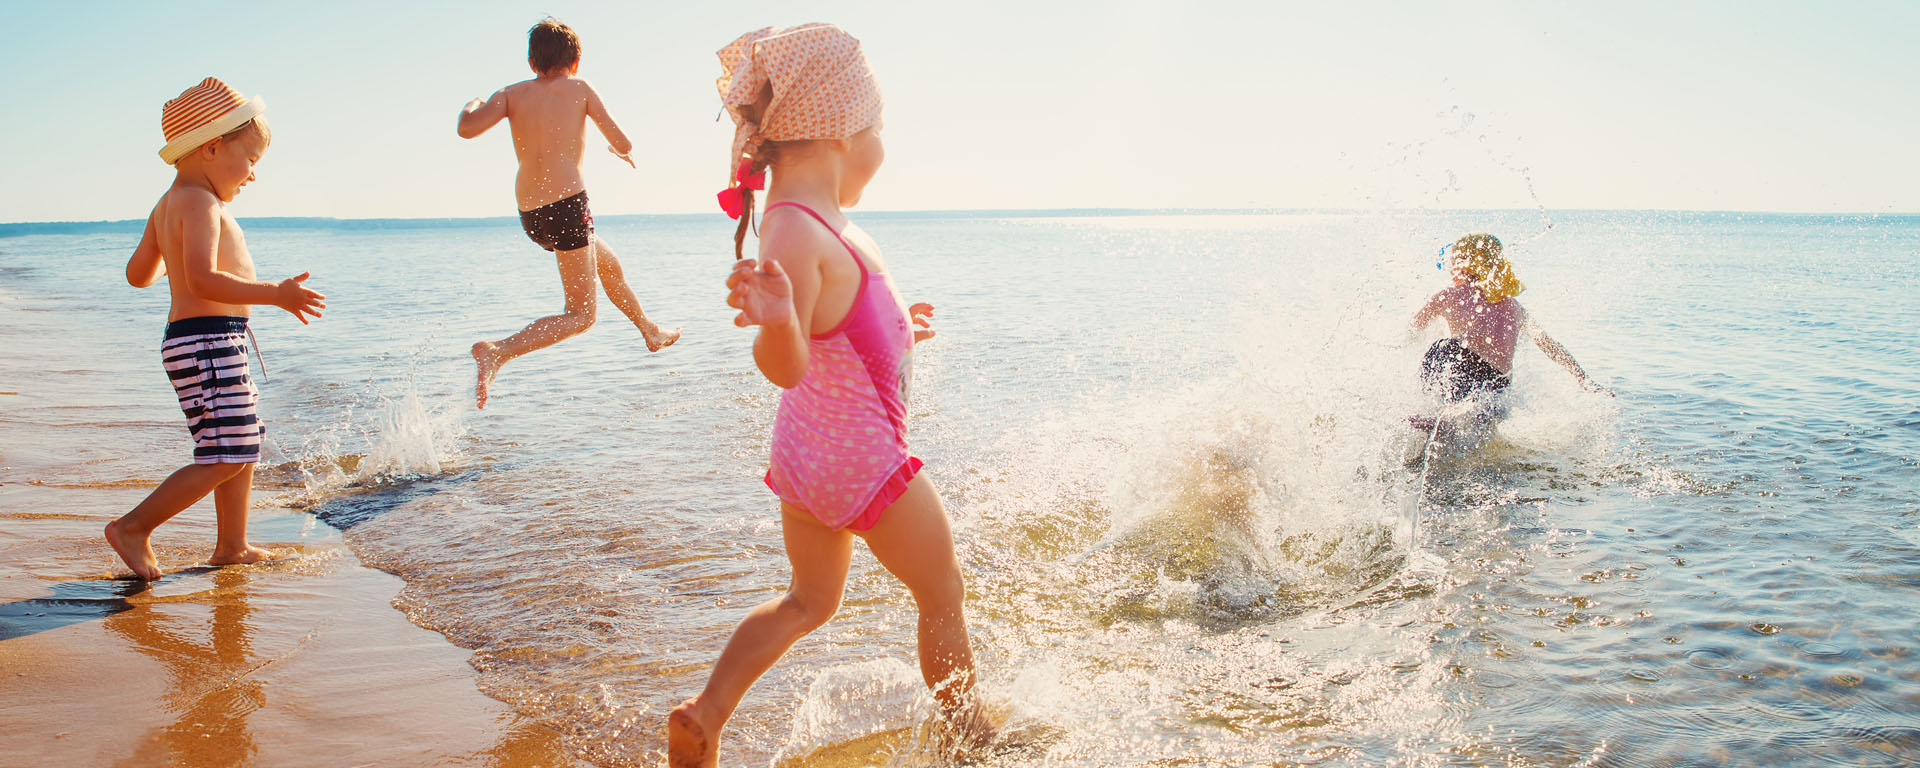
(915,543)
(819,558)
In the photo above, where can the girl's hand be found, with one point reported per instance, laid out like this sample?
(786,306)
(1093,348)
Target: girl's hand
(761,291)
(1593,386)
(922,314)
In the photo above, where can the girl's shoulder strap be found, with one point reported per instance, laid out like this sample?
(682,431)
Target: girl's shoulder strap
(823,222)
(862,263)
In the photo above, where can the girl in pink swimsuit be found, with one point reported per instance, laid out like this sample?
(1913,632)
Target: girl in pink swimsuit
(837,338)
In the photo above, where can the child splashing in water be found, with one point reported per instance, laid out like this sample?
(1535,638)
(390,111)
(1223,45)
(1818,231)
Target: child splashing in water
(835,336)
(548,115)
(1472,367)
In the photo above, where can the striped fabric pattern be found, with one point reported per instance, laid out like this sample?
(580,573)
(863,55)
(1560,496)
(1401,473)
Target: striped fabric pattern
(198,106)
(206,358)
(201,114)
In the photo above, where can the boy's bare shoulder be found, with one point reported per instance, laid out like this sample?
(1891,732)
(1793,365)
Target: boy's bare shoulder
(518,87)
(183,201)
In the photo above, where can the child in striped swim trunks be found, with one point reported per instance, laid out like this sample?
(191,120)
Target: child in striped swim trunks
(215,137)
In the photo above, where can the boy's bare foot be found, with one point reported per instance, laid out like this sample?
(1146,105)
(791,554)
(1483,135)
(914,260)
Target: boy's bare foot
(659,340)
(488,358)
(251,554)
(690,743)
(137,551)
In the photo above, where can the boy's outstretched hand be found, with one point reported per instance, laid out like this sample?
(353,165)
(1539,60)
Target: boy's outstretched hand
(761,291)
(623,155)
(293,297)
(922,314)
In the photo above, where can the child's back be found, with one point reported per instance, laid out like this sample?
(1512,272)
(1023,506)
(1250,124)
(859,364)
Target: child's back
(1490,330)
(548,117)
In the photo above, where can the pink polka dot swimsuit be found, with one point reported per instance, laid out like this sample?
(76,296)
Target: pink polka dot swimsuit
(840,437)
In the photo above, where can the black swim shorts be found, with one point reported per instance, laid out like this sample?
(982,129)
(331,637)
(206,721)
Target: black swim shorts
(564,225)
(1458,373)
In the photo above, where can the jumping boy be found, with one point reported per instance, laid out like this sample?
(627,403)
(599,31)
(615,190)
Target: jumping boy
(548,117)
(215,137)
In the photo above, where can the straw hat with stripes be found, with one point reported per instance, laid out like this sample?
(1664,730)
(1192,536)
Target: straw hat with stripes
(203,113)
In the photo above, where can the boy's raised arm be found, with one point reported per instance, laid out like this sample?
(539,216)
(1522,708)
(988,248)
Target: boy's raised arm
(479,115)
(146,265)
(617,141)
(200,268)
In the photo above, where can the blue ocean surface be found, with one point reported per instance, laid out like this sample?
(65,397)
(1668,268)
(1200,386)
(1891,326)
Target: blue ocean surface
(1175,448)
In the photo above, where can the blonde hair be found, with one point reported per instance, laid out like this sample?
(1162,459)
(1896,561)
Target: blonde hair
(257,125)
(1478,255)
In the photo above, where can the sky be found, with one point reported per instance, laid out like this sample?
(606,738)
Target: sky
(1750,106)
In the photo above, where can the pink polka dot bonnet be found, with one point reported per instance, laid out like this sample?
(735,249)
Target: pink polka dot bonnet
(822,87)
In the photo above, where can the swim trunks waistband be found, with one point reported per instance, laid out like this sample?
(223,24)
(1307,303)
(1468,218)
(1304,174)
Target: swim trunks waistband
(189,326)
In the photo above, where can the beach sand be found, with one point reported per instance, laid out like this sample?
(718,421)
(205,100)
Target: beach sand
(300,661)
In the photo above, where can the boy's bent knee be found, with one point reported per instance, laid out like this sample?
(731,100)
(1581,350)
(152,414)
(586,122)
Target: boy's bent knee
(582,316)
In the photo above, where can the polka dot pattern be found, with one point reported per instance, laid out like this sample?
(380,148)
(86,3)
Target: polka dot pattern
(840,438)
(822,86)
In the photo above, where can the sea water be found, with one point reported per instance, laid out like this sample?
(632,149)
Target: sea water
(1174,449)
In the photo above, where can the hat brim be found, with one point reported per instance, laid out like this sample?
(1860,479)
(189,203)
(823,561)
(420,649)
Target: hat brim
(186,143)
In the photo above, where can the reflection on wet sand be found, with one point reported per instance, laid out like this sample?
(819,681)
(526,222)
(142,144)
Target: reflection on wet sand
(296,661)
(209,656)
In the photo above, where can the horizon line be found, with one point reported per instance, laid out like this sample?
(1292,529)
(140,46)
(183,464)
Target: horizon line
(981,212)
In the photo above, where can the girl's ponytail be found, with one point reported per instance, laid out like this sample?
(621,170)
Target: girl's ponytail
(754,167)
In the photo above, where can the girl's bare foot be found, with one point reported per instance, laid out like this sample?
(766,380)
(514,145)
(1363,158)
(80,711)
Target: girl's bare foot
(251,554)
(690,742)
(659,340)
(135,550)
(968,730)
(488,358)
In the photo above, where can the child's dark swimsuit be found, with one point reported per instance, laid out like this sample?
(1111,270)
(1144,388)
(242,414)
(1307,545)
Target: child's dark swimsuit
(563,225)
(1459,373)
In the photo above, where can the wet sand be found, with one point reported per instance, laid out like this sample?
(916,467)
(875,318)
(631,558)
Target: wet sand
(300,661)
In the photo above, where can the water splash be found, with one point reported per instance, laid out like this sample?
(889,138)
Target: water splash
(866,713)
(404,439)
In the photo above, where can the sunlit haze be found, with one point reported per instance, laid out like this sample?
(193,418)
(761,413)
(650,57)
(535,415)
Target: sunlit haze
(1800,107)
